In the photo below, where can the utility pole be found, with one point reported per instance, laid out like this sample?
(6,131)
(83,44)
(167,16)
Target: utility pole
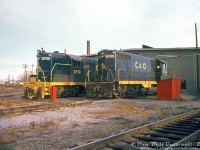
(197,59)
(8,78)
(32,68)
(25,72)
(196,38)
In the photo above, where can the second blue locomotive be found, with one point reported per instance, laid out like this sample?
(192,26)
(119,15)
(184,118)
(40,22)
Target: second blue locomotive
(122,74)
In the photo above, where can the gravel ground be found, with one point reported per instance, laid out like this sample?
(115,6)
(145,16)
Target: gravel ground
(72,126)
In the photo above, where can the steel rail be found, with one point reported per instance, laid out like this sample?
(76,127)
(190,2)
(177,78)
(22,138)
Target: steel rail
(133,132)
(11,95)
(192,137)
(19,109)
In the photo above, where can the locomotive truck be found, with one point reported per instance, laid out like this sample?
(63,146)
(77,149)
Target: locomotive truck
(122,74)
(68,73)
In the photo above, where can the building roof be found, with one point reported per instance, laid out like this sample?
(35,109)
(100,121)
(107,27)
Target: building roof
(151,49)
(160,49)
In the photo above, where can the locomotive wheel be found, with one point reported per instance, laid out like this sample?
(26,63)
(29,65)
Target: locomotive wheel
(25,92)
(63,94)
(131,92)
(125,95)
(39,93)
(97,96)
(73,92)
(127,92)
(144,91)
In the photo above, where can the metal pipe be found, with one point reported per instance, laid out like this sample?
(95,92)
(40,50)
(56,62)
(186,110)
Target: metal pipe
(88,75)
(43,75)
(112,75)
(118,74)
(39,69)
(88,47)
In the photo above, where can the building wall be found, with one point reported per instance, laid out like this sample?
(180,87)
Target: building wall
(182,63)
(182,67)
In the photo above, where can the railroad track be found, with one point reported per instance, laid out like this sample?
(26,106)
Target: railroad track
(17,110)
(24,109)
(179,132)
(13,95)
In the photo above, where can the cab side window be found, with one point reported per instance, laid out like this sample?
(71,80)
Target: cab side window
(77,64)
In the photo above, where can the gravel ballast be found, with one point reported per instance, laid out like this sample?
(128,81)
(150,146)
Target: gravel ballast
(72,126)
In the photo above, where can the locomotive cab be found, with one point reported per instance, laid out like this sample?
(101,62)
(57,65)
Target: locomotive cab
(106,65)
(164,71)
(161,70)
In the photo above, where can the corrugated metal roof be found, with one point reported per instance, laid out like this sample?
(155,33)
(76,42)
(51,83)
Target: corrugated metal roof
(159,49)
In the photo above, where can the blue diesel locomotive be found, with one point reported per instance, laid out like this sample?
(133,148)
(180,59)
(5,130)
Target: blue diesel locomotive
(122,74)
(68,73)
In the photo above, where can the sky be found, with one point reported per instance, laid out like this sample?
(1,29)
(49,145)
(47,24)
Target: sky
(55,25)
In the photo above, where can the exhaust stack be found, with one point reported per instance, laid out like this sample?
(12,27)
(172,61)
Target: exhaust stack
(88,47)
